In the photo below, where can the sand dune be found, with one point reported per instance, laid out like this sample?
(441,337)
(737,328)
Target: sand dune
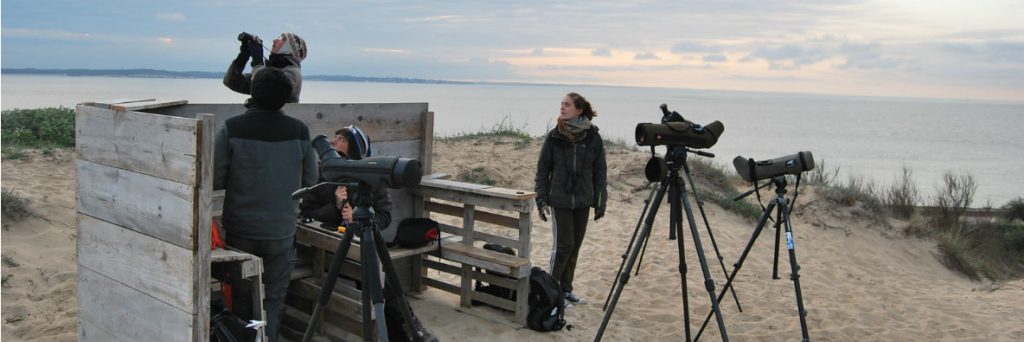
(861,279)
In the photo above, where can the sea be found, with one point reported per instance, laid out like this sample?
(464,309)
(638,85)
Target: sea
(866,138)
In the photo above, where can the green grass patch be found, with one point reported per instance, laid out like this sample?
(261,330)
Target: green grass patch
(985,250)
(39,128)
(503,132)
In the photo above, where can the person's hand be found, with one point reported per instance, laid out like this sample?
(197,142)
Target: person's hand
(543,211)
(340,196)
(243,50)
(598,214)
(346,213)
(256,50)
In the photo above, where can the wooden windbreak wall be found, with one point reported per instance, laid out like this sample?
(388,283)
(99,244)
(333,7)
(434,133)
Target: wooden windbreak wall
(143,201)
(395,129)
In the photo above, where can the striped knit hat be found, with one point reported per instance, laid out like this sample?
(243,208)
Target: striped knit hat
(294,45)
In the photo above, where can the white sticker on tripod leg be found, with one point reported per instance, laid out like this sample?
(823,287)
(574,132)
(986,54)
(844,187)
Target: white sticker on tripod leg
(789,240)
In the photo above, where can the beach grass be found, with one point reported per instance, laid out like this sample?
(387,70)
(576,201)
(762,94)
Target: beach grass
(15,206)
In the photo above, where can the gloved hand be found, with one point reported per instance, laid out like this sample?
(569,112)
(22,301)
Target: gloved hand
(542,209)
(544,212)
(598,214)
(256,50)
(243,50)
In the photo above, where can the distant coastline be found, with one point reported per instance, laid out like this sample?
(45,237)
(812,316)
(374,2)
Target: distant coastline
(157,73)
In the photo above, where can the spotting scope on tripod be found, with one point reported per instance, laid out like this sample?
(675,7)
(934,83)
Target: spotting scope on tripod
(681,138)
(361,177)
(774,170)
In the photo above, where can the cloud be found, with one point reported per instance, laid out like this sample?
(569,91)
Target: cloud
(601,52)
(788,56)
(171,17)
(869,56)
(641,56)
(387,51)
(715,58)
(537,52)
(695,47)
(45,34)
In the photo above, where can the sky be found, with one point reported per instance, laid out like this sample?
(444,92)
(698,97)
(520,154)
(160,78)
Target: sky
(933,49)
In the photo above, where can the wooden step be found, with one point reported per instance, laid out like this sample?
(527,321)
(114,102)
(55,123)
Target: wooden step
(453,249)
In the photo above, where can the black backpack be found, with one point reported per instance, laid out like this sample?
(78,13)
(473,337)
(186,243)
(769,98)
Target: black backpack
(547,303)
(416,232)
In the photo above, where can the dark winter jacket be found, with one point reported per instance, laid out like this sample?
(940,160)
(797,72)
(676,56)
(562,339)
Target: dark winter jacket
(260,158)
(321,205)
(572,174)
(235,80)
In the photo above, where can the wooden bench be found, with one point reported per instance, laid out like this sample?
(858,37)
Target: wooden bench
(461,251)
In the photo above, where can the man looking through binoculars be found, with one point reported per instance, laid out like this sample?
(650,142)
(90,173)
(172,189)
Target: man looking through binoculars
(287,53)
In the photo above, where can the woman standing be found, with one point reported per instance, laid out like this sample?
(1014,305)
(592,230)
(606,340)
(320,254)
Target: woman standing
(571,178)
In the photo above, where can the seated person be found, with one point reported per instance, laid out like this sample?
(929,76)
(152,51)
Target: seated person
(330,205)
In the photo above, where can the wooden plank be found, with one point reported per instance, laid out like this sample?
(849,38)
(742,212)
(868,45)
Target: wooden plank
(88,332)
(480,236)
(127,314)
(427,145)
(143,263)
(249,263)
(457,186)
(494,300)
(153,206)
(340,302)
(486,256)
(443,267)
(443,286)
(108,103)
(480,189)
(381,121)
(522,302)
(202,229)
(144,105)
(485,201)
(525,227)
(466,291)
(482,216)
(156,145)
(400,148)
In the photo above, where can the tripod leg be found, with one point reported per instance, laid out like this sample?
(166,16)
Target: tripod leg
(707,225)
(676,226)
(739,263)
(643,252)
(624,275)
(395,286)
(709,283)
(778,234)
(784,210)
(372,284)
(328,286)
(632,239)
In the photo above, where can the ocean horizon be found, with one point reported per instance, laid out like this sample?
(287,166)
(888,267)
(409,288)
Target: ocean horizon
(871,138)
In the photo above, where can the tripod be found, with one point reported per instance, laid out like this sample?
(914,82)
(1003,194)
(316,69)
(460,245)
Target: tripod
(372,250)
(782,209)
(678,201)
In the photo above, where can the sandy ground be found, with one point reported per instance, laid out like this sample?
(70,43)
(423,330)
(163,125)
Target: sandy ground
(862,280)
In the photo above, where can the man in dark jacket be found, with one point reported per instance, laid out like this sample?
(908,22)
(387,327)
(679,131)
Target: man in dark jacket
(287,53)
(260,158)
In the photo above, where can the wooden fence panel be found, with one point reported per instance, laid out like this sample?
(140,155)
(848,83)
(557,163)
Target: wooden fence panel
(127,314)
(159,269)
(156,145)
(153,206)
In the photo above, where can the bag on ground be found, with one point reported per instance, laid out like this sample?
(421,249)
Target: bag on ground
(547,303)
